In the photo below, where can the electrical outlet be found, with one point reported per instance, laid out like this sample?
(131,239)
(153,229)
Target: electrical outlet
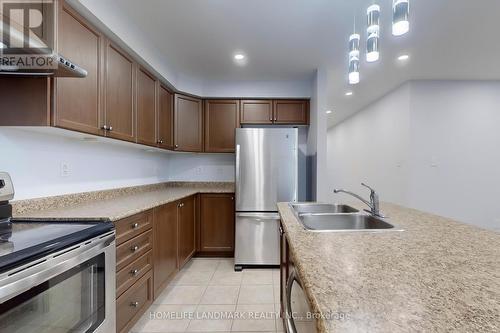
(65,169)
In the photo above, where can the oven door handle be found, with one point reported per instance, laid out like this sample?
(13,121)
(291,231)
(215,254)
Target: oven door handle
(22,278)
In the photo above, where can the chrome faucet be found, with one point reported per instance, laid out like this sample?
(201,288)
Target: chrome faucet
(373,203)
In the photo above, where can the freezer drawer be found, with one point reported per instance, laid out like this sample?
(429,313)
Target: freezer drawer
(257,239)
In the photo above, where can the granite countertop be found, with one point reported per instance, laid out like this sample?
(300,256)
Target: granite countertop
(112,204)
(438,275)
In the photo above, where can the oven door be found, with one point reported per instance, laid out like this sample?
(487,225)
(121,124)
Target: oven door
(68,291)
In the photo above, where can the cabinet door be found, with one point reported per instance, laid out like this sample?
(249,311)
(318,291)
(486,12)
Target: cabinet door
(146,108)
(78,100)
(188,131)
(165,118)
(290,112)
(221,120)
(256,112)
(119,94)
(217,222)
(164,245)
(186,225)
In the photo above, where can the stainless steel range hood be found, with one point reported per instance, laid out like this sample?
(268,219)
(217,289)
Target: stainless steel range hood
(24,53)
(64,68)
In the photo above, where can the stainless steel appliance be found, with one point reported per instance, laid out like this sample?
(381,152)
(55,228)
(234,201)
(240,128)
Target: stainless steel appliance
(297,313)
(57,277)
(266,173)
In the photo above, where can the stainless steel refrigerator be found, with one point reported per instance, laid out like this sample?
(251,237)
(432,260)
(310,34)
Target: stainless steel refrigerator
(266,173)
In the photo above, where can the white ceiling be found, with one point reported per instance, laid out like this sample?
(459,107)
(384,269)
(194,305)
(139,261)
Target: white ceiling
(290,39)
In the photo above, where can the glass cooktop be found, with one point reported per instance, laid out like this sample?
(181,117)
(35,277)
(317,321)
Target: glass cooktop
(31,240)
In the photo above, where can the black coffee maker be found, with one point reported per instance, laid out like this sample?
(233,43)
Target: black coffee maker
(6,194)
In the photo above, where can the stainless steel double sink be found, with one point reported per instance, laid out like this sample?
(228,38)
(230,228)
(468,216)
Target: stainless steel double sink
(320,217)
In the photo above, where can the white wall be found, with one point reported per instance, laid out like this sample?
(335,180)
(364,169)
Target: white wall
(372,147)
(34,161)
(35,158)
(455,145)
(202,167)
(430,145)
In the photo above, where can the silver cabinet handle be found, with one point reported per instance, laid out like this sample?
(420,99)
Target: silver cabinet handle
(134,272)
(135,225)
(176,146)
(160,141)
(134,304)
(110,128)
(104,127)
(134,248)
(281,231)
(289,323)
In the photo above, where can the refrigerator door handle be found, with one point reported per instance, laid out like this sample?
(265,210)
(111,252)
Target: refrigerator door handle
(237,176)
(258,216)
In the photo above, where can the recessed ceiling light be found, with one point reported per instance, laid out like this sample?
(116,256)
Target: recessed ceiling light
(349,93)
(328,111)
(239,56)
(403,57)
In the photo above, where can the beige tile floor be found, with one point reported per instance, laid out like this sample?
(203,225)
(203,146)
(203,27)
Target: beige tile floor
(206,289)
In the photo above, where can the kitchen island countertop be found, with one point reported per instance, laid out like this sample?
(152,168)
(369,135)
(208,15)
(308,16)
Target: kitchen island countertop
(438,275)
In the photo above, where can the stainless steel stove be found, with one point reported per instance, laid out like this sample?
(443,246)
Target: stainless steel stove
(55,276)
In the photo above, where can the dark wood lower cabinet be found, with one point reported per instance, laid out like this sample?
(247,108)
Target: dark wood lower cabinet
(153,245)
(217,224)
(186,223)
(133,303)
(165,245)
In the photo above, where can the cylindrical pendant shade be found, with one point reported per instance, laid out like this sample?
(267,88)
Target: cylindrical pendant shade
(354,59)
(373,33)
(400,13)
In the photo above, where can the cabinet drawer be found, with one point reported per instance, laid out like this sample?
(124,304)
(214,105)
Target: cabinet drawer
(132,249)
(132,226)
(133,272)
(132,304)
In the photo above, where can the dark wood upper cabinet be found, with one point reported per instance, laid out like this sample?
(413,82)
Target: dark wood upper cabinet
(78,103)
(165,118)
(221,120)
(217,223)
(165,245)
(256,112)
(188,118)
(290,111)
(25,101)
(119,116)
(186,224)
(146,108)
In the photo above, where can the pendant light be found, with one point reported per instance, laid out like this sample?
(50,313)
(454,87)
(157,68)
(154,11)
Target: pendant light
(400,12)
(354,56)
(354,59)
(373,33)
